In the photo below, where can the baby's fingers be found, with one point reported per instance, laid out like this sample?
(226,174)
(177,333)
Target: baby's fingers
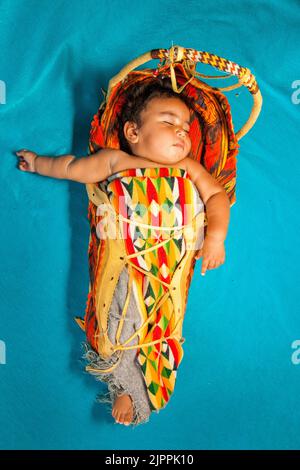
(21,152)
(215,264)
(23,166)
(209,264)
(205,263)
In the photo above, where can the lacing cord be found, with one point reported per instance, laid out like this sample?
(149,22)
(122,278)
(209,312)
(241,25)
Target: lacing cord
(122,347)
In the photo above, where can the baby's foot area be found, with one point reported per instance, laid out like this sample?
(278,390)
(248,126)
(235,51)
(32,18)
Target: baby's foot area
(123,409)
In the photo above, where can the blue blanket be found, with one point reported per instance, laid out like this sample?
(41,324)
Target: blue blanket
(55,57)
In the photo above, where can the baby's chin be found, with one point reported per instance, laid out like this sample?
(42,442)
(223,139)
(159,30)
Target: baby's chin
(170,159)
(173,160)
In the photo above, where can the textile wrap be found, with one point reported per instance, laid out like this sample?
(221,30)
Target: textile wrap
(167,199)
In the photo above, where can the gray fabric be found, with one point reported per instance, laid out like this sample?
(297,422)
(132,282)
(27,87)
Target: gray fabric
(127,376)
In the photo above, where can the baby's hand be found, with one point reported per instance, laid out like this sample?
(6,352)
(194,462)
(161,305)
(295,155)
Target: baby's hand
(213,253)
(26,162)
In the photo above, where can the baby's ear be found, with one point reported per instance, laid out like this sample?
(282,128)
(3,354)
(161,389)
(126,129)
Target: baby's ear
(130,130)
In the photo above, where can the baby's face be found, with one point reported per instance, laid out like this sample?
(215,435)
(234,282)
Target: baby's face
(164,134)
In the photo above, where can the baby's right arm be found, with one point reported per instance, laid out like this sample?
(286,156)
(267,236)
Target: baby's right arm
(89,169)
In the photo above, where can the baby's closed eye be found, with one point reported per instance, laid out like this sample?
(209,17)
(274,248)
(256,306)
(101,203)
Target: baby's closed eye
(185,130)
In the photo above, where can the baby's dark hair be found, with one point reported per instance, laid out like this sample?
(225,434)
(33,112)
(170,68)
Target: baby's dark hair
(136,100)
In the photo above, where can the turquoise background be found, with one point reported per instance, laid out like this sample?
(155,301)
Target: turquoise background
(238,384)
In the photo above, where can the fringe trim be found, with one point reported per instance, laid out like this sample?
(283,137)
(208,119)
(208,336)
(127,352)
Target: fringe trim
(115,388)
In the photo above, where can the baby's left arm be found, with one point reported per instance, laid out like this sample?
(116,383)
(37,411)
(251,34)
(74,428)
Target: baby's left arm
(217,207)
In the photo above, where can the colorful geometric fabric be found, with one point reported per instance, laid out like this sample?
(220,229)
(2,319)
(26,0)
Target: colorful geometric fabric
(152,205)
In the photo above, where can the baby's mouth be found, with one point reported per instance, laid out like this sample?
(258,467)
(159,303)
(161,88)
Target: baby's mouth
(179,144)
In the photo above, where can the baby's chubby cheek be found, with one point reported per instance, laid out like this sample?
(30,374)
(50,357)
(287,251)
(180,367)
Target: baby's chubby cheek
(188,146)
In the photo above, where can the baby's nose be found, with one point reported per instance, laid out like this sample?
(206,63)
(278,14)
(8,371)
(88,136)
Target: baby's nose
(180,131)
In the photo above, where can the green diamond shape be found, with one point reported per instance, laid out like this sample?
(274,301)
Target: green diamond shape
(153,387)
(166,372)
